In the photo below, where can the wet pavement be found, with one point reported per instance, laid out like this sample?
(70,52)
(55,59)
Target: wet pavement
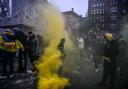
(19,81)
(85,77)
(82,77)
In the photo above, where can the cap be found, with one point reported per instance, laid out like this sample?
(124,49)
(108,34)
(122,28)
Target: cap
(109,36)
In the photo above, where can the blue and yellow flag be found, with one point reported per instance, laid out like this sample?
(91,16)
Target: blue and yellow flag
(10,46)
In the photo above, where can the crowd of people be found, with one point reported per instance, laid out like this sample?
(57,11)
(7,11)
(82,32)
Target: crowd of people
(110,52)
(16,45)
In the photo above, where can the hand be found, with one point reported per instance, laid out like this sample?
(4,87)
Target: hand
(106,58)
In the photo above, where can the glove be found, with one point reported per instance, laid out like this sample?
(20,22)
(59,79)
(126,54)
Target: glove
(106,58)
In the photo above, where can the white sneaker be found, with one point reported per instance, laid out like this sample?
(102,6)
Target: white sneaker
(29,71)
(12,75)
(96,70)
(2,77)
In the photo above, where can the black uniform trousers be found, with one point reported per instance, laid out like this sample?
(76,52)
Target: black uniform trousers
(22,61)
(109,71)
(32,57)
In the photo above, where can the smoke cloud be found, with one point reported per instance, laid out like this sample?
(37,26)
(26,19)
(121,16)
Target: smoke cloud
(52,27)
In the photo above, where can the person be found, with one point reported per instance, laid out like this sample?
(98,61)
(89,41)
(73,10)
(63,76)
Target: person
(110,54)
(122,55)
(96,53)
(123,63)
(22,55)
(61,49)
(8,48)
(39,46)
(31,49)
(86,47)
(81,46)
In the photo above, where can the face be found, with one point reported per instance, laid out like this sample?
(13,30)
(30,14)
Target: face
(62,41)
(30,34)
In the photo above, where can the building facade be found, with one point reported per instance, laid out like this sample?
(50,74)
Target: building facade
(72,22)
(19,13)
(105,15)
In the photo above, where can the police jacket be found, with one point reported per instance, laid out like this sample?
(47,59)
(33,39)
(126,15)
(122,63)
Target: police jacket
(111,50)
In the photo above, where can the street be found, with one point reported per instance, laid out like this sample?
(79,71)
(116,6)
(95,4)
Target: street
(83,77)
(20,81)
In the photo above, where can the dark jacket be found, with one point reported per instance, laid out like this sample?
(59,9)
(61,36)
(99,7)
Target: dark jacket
(111,50)
(21,36)
(61,47)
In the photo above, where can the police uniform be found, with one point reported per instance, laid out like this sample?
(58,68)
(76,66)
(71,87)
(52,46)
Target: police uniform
(61,49)
(111,51)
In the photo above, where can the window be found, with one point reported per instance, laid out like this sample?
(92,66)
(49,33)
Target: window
(94,5)
(114,18)
(114,9)
(124,11)
(94,12)
(103,4)
(123,0)
(0,10)
(113,2)
(1,0)
(101,19)
(98,4)
(97,18)
(114,26)
(102,25)
(94,20)
(97,11)
(101,11)
(91,11)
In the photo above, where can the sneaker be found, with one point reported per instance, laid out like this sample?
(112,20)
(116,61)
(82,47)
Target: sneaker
(12,75)
(96,70)
(3,77)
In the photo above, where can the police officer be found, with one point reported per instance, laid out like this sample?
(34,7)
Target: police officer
(31,49)
(61,49)
(110,55)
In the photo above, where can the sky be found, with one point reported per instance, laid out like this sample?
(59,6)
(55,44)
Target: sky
(80,6)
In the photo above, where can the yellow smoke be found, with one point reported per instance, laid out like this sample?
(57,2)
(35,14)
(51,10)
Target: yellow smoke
(50,61)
